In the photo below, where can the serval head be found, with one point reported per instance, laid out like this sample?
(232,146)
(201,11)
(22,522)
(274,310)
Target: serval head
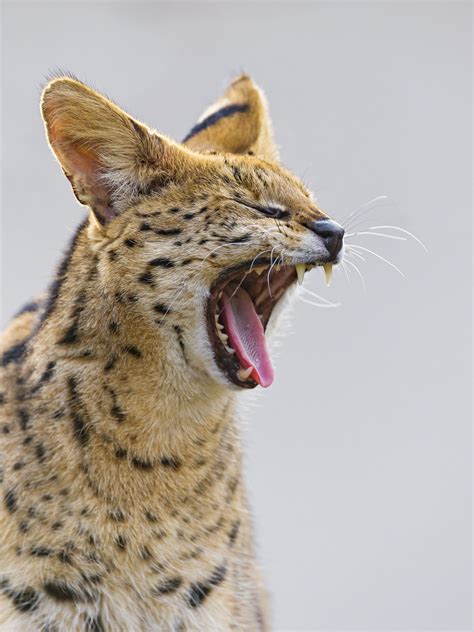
(208,235)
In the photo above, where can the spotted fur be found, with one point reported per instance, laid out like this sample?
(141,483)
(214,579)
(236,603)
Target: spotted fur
(123,506)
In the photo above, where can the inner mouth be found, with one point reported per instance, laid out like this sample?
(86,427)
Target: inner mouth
(239,308)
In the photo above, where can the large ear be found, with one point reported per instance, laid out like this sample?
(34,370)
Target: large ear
(237,123)
(107,156)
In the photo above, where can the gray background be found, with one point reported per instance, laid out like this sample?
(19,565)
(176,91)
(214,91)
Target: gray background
(359,455)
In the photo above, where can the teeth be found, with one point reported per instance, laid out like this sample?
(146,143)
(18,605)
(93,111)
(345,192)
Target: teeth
(259,270)
(222,336)
(328,272)
(300,270)
(243,374)
(229,349)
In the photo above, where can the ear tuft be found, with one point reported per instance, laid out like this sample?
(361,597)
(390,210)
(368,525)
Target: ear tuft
(237,123)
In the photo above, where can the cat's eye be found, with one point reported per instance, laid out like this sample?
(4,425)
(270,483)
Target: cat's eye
(277,212)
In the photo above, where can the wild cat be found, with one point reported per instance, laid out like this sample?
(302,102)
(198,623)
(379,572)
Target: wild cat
(123,507)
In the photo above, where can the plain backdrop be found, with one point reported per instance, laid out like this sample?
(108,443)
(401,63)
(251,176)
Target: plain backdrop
(358,457)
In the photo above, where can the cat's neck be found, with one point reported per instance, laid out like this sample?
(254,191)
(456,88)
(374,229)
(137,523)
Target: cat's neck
(131,385)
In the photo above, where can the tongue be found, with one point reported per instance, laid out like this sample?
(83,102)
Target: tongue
(246,335)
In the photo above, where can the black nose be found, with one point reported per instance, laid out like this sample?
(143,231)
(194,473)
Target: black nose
(332,234)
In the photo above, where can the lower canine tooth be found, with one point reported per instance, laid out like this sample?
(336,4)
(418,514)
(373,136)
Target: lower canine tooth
(243,374)
(328,272)
(229,349)
(300,270)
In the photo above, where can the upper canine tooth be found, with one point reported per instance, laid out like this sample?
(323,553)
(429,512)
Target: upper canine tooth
(300,270)
(328,272)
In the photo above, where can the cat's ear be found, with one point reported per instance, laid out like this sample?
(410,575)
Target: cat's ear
(108,157)
(237,123)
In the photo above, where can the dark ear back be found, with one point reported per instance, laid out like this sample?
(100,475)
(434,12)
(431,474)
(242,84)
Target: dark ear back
(237,123)
(107,156)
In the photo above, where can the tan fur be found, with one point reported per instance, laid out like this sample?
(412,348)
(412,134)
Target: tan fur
(122,491)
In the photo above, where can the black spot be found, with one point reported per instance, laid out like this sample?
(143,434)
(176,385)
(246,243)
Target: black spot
(65,557)
(151,517)
(24,600)
(167,231)
(120,453)
(240,240)
(130,243)
(121,542)
(14,354)
(189,216)
(117,515)
(40,452)
(94,624)
(144,226)
(199,591)
(171,462)
(23,418)
(110,364)
(186,262)
(33,306)
(79,426)
(145,553)
(213,118)
(45,376)
(161,308)
(70,337)
(10,500)
(2,398)
(6,430)
(40,551)
(161,262)
(63,592)
(18,465)
(146,278)
(167,586)
(23,527)
(141,465)
(112,255)
(57,525)
(203,241)
(133,351)
(113,327)
(179,335)
(175,209)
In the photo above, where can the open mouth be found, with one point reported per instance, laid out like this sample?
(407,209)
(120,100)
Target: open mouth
(239,308)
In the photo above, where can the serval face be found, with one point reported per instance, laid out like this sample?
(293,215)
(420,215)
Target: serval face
(204,239)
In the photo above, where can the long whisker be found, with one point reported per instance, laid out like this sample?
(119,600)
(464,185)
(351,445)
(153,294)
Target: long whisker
(353,265)
(331,305)
(354,254)
(403,230)
(269,270)
(362,210)
(316,296)
(389,263)
(365,232)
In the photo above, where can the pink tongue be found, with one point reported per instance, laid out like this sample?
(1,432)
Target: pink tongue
(246,335)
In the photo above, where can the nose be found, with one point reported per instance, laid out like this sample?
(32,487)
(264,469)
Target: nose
(331,233)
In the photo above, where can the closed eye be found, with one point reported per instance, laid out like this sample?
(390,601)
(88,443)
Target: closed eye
(277,212)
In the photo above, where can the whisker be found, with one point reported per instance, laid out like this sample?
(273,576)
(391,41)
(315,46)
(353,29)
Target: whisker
(365,232)
(329,306)
(403,230)
(389,263)
(353,265)
(269,270)
(354,254)
(362,210)
(316,296)
(345,270)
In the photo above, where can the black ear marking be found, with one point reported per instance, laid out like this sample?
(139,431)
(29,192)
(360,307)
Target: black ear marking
(213,118)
